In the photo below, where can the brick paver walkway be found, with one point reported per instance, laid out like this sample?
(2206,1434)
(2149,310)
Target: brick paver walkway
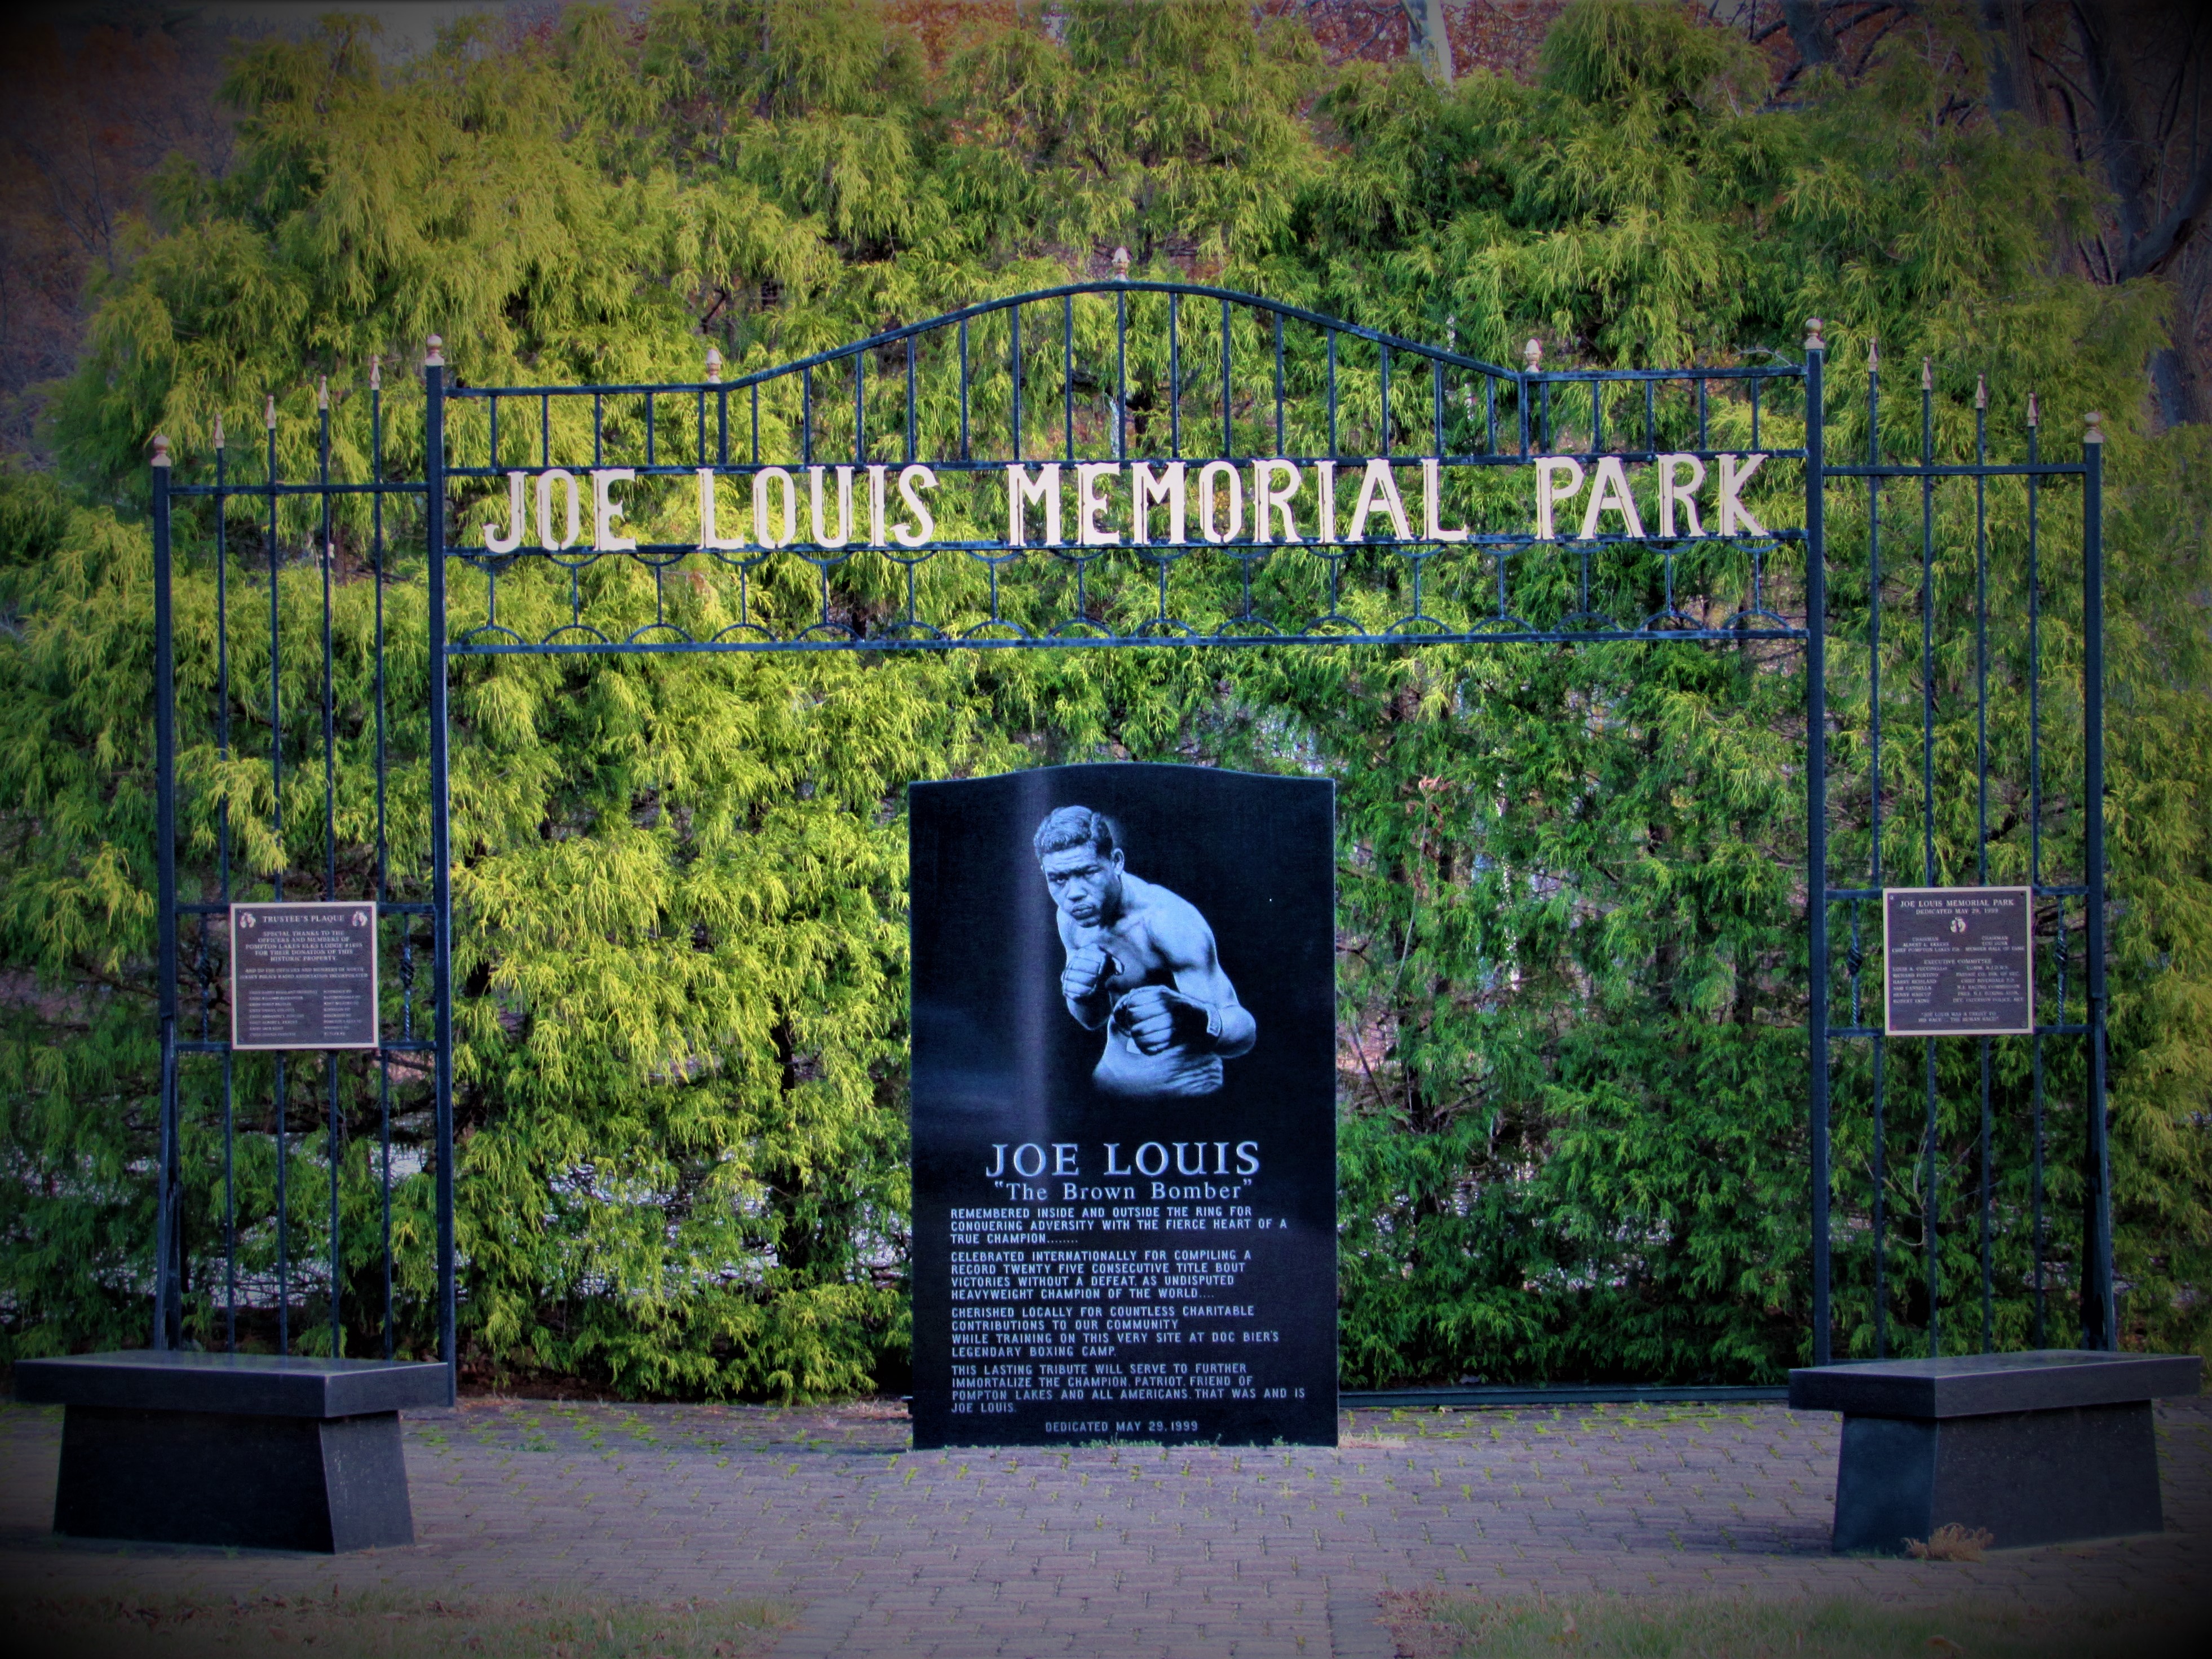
(1133,1552)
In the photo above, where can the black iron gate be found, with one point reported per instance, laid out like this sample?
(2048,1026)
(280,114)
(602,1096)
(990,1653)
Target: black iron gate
(963,462)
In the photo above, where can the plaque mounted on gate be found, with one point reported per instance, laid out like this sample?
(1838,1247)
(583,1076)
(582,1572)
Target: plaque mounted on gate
(1958,961)
(303,976)
(1124,1108)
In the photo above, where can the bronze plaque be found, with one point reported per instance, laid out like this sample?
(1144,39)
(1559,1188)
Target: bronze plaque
(303,976)
(1959,961)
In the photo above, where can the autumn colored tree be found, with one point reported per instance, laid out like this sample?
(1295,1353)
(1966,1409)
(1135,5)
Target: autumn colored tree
(88,122)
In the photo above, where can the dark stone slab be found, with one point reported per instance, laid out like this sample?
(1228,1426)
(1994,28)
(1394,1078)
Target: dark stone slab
(264,1385)
(245,1450)
(2038,1448)
(2026,1477)
(1977,1385)
(261,1482)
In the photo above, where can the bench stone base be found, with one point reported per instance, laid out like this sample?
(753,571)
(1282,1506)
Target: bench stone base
(327,1485)
(2027,1478)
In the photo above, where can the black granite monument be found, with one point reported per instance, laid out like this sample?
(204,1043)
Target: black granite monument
(1124,1121)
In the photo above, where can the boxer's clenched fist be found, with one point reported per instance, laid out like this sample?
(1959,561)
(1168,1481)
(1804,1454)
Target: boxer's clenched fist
(1157,1019)
(1085,977)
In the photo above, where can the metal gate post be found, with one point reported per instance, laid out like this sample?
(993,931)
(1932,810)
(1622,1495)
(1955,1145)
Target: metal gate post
(1816,818)
(168,1279)
(442,899)
(2099,1316)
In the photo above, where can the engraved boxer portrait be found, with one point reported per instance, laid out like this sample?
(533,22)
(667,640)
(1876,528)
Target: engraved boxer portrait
(1141,966)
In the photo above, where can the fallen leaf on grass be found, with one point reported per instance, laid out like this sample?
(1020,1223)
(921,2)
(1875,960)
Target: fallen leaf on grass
(1951,1543)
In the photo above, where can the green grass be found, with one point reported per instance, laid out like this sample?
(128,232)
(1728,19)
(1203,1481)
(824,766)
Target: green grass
(1655,1627)
(375,1625)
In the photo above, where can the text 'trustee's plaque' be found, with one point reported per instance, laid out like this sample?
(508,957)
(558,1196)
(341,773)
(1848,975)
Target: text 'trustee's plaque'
(1959,961)
(1124,1108)
(303,976)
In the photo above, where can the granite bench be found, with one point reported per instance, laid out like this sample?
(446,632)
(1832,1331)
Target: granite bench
(2038,1448)
(250,1450)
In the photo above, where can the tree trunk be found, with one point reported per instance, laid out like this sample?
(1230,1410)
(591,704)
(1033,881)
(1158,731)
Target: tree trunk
(1426,38)
(2152,235)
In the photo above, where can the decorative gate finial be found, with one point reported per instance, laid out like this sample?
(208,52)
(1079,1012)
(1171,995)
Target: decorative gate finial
(160,450)
(1927,373)
(322,391)
(269,413)
(1813,340)
(2034,411)
(376,373)
(218,429)
(1121,265)
(1533,353)
(713,364)
(2095,434)
(1981,392)
(435,357)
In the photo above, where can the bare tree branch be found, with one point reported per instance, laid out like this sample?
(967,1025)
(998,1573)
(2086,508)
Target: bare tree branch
(2160,246)
(1815,42)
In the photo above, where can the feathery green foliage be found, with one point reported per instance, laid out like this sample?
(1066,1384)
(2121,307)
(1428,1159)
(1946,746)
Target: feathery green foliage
(1573,1132)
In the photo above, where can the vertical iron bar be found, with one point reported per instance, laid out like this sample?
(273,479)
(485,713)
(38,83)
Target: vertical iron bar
(1228,437)
(1982,816)
(965,454)
(276,892)
(230,1203)
(442,874)
(283,1215)
(384,1138)
(383,843)
(1278,317)
(1121,376)
(1175,375)
(1068,374)
(167,1281)
(1383,431)
(1332,395)
(2035,837)
(909,398)
(1881,1172)
(1014,372)
(1930,1239)
(1816,818)
(329,843)
(2099,1314)
(222,880)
